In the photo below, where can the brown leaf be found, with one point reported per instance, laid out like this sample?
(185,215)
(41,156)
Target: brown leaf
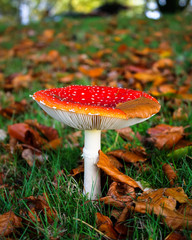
(120,226)
(146,77)
(121,192)
(141,107)
(175,236)
(162,89)
(9,222)
(39,204)
(128,156)
(25,134)
(163,63)
(177,193)
(158,197)
(54,144)
(186,208)
(165,135)
(126,133)
(179,114)
(31,157)
(22,81)
(173,219)
(113,172)
(77,170)
(115,162)
(74,137)
(109,200)
(15,108)
(105,225)
(49,132)
(170,173)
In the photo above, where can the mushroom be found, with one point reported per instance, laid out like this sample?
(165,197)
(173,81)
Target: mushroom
(94,108)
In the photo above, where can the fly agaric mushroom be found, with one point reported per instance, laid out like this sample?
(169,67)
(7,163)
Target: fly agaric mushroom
(93,108)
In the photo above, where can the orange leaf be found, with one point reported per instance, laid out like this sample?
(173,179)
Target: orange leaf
(105,225)
(113,172)
(93,73)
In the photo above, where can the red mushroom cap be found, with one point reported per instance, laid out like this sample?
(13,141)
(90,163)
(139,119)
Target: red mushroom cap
(92,100)
(97,107)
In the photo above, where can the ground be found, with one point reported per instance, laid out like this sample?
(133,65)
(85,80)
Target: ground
(40,197)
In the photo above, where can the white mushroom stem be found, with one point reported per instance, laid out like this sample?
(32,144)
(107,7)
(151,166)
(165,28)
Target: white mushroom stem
(92,180)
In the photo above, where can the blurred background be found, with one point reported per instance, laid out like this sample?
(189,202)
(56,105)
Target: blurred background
(26,11)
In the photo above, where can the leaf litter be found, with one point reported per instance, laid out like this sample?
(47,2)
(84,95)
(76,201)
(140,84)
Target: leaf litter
(152,68)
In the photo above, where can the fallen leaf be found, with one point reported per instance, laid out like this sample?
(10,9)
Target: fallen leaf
(163,63)
(173,219)
(8,223)
(128,156)
(175,236)
(93,73)
(49,132)
(105,225)
(170,172)
(15,108)
(113,172)
(32,157)
(120,225)
(77,170)
(25,134)
(126,133)
(165,136)
(179,114)
(121,192)
(163,89)
(115,162)
(40,204)
(54,144)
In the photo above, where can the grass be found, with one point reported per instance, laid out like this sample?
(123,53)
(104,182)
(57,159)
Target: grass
(75,213)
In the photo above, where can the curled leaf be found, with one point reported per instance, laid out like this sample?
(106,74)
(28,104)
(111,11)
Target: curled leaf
(113,172)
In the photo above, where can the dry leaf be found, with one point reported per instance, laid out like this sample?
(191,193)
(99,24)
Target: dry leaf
(165,136)
(105,225)
(93,73)
(39,204)
(128,156)
(32,157)
(25,134)
(113,172)
(115,162)
(170,173)
(139,108)
(9,222)
(121,192)
(175,236)
(77,170)
(120,225)
(126,133)
(173,219)
(15,108)
(49,132)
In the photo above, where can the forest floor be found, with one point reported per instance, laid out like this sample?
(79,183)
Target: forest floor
(41,168)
